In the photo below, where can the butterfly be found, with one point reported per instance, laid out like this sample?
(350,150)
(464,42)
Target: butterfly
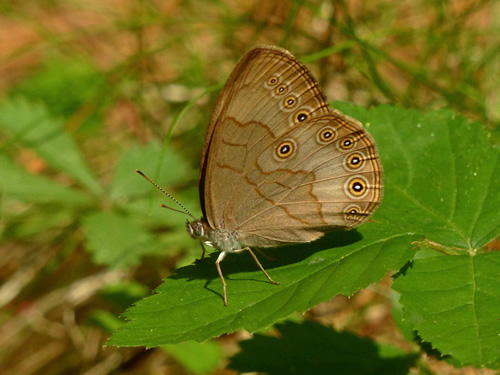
(279,165)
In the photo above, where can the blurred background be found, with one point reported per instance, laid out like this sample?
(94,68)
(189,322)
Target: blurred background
(91,90)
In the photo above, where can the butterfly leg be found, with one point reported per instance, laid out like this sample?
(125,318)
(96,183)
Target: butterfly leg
(221,257)
(203,251)
(258,263)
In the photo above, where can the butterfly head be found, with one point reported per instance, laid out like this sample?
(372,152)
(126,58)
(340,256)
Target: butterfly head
(218,238)
(196,229)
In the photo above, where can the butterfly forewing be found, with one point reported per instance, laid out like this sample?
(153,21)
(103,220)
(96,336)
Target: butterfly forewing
(279,165)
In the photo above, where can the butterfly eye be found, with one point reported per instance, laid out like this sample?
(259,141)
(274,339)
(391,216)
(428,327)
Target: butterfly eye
(281,89)
(352,213)
(346,143)
(285,149)
(301,116)
(290,102)
(357,187)
(354,160)
(272,81)
(326,135)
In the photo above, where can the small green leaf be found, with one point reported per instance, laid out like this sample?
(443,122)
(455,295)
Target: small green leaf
(27,223)
(311,348)
(150,212)
(200,358)
(18,183)
(454,303)
(79,80)
(105,320)
(32,126)
(118,241)
(127,183)
(123,293)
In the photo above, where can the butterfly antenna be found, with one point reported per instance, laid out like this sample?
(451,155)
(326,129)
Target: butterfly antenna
(186,211)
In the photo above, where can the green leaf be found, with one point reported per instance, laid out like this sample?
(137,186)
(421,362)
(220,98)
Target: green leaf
(311,348)
(104,320)
(405,326)
(200,358)
(118,241)
(27,223)
(142,200)
(441,174)
(172,169)
(32,126)
(442,178)
(150,212)
(79,80)
(123,293)
(454,303)
(192,297)
(18,183)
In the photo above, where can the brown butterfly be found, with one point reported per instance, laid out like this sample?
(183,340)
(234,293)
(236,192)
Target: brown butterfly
(279,165)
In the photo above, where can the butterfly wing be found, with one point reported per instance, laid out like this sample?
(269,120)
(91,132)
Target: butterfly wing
(274,162)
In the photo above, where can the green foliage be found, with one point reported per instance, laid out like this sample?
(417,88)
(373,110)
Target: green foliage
(453,303)
(85,89)
(31,125)
(440,178)
(164,166)
(105,320)
(118,241)
(199,358)
(307,274)
(124,293)
(66,87)
(311,348)
(18,183)
(115,238)
(441,174)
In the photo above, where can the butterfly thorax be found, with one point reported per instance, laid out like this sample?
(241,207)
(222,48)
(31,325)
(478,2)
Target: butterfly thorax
(218,238)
